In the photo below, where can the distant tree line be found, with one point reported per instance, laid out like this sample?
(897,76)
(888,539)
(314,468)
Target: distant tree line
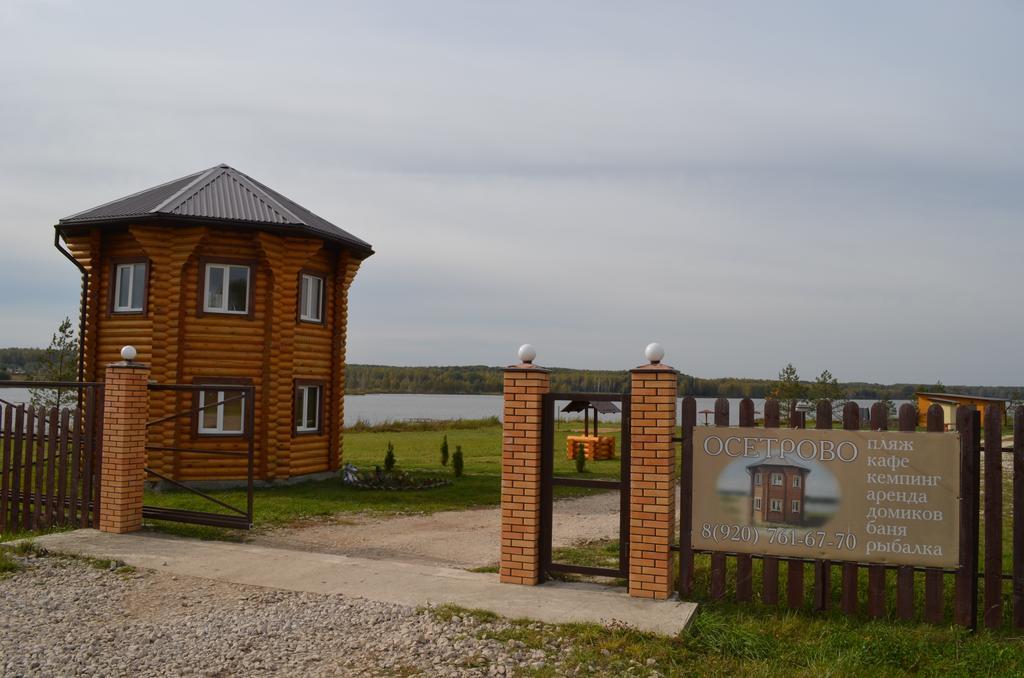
(28,361)
(479,379)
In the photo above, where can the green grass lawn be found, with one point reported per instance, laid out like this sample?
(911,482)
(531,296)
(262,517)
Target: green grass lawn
(417,452)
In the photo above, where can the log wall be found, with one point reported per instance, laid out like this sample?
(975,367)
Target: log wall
(269,347)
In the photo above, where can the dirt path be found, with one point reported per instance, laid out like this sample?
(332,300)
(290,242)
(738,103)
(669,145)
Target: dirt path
(465,539)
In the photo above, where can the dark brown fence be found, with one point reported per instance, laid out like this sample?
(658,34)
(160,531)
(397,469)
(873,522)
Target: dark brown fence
(50,463)
(874,580)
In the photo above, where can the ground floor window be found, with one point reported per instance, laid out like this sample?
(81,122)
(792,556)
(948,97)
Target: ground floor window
(796,506)
(308,406)
(757,503)
(220,411)
(775,505)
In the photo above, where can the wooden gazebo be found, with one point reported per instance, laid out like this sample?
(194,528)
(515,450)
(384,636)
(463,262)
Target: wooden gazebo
(595,446)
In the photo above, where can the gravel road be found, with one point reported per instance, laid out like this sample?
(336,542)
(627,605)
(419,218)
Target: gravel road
(463,539)
(65,617)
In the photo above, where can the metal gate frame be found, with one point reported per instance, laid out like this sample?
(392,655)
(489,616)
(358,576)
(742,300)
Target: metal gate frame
(549,480)
(238,518)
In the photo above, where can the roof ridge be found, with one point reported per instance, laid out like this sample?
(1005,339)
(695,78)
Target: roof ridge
(250,183)
(188,187)
(132,195)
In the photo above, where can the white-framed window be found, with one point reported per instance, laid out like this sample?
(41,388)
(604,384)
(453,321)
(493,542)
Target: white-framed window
(777,479)
(221,412)
(311,298)
(129,287)
(775,505)
(757,478)
(797,481)
(308,401)
(757,503)
(795,506)
(227,289)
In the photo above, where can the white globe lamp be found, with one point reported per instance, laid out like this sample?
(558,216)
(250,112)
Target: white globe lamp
(527,354)
(128,354)
(654,353)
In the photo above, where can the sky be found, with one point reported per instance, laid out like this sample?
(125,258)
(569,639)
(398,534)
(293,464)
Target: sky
(838,185)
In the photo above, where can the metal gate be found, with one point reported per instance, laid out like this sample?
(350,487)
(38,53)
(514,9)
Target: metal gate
(235,516)
(549,481)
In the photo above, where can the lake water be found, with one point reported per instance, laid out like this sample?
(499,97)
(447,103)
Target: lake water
(377,408)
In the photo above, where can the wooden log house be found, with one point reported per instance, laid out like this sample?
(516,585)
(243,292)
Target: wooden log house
(216,278)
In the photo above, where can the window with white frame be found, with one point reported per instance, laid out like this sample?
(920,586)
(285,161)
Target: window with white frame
(777,479)
(221,412)
(308,398)
(796,481)
(775,505)
(311,298)
(757,478)
(757,503)
(227,289)
(129,287)
(795,507)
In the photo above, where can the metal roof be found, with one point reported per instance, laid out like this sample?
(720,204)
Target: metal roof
(778,462)
(222,193)
(602,406)
(957,397)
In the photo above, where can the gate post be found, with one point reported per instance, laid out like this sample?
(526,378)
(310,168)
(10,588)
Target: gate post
(524,388)
(125,410)
(652,490)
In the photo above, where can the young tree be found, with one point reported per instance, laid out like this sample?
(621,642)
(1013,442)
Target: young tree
(581,457)
(826,387)
(789,390)
(59,363)
(457,461)
(389,458)
(444,451)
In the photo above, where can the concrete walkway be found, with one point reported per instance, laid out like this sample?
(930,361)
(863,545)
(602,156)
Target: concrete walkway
(381,580)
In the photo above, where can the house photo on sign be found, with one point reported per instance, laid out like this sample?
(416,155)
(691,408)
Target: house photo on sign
(865,496)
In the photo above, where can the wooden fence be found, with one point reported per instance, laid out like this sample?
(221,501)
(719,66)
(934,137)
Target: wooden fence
(50,464)
(907,604)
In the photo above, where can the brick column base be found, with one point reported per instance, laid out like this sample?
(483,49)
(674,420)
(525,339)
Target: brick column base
(125,410)
(525,385)
(652,502)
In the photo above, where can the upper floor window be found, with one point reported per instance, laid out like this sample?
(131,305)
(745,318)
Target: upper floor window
(757,478)
(776,479)
(796,481)
(311,298)
(129,294)
(227,289)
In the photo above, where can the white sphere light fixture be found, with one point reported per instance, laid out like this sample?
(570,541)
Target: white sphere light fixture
(654,353)
(527,353)
(128,353)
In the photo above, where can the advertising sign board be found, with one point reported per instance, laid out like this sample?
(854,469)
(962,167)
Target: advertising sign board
(866,496)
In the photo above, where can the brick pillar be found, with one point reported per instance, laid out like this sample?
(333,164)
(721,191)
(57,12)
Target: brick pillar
(525,384)
(652,501)
(125,410)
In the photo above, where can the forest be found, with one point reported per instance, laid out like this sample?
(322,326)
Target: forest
(480,379)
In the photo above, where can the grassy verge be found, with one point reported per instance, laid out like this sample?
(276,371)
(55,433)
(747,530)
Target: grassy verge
(416,451)
(726,640)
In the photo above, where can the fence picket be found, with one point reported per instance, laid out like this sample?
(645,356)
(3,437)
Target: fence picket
(49,482)
(76,469)
(795,568)
(40,469)
(689,416)
(934,598)
(13,499)
(1018,517)
(905,573)
(718,562)
(770,564)
(28,464)
(823,568)
(965,593)
(86,452)
(62,464)
(876,573)
(5,497)
(851,422)
(993,517)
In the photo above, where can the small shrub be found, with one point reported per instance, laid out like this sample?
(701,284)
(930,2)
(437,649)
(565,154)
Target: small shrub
(457,461)
(581,457)
(389,458)
(444,451)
